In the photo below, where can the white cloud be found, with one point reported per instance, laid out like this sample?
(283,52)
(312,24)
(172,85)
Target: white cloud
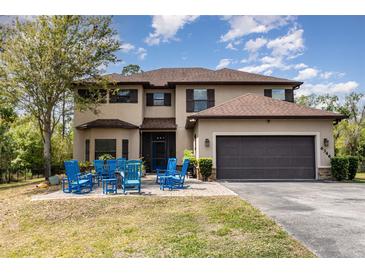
(244,25)
(132,49)
(223,63)
(126,47)
(266,66)
(141,53)
(254,45)
(231,46)
(329,88)
(289,45)
(306,74)
(300,66)
(166,27)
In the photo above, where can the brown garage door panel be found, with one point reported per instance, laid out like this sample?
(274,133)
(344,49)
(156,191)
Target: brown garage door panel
(265,157)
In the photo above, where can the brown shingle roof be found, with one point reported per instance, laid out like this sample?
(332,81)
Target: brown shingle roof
(258,106)
(107,123)
(166,76)
(158,123)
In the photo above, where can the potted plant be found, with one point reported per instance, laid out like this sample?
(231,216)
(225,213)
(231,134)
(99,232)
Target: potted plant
(189,154)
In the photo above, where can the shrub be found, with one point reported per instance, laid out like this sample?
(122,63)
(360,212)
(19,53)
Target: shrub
(106,157)
(339,167)
(353,165)
(189,154)
(205,167)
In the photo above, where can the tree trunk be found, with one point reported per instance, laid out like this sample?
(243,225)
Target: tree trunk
(63,116)
(47,149)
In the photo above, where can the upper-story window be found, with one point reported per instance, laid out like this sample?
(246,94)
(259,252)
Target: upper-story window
(158,99)
(199,99)
(280,94)
(93,94)
(123,96)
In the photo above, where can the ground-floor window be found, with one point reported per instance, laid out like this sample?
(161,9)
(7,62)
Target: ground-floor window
(87,150)
(105,146)
(125,148)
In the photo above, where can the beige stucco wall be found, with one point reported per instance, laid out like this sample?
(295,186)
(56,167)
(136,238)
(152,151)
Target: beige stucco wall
(223,93)
(159,111)
(134,113)
(319,128)
(106,133)
(129,112)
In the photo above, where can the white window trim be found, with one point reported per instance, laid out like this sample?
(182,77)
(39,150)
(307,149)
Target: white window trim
(316,135)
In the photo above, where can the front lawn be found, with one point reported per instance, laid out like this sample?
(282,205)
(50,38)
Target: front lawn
(138,227)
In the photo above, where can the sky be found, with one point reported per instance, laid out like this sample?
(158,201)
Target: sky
(325,52)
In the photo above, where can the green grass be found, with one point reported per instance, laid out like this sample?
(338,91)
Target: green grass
(21,183)
(138,227)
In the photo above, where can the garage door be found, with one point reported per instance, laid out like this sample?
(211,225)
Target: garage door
(265,157)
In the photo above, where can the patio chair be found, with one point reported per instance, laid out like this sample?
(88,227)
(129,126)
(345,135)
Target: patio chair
(75,182)
(99,170)
(175,181)
(170,170)
(83,175)
(110,181)
(121,165)
(132,179)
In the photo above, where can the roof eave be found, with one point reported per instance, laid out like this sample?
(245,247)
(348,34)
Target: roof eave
(330,117)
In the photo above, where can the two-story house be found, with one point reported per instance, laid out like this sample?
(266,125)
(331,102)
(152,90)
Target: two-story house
(248,123)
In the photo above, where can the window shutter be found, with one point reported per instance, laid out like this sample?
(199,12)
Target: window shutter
(125,148)
(189,100)
(211,98)
(167,99)
(268,92)
(149,99)
(133,96)
(87,150)
(289,95)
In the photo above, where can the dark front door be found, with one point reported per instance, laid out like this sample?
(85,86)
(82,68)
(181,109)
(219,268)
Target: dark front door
(159,154)
(157,147)
(265,157)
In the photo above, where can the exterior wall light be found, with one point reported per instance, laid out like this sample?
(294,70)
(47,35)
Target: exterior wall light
(326,142)
(207,142)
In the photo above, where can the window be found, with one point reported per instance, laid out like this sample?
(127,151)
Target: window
(125,148)
(105,146)
(87,150)
(93,94)
(158,99)
(278,94)
(123,96)
(199,99)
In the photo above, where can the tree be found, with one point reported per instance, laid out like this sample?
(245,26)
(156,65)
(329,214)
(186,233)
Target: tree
(40,61)
(131,69)
(307,100)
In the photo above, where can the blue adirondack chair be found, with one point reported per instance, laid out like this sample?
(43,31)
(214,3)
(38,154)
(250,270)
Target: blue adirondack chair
(175,181)
(99,169)
(110,181)
(170,170)
(83,175)
(121,165)
(132,179)
(75,182)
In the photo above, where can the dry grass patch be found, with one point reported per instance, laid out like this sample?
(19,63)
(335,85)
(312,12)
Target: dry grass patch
(138,227)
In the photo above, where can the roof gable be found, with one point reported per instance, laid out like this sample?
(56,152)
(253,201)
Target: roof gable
(169,76)
(258,106)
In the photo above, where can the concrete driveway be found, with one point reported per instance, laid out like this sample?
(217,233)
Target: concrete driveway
(329,218)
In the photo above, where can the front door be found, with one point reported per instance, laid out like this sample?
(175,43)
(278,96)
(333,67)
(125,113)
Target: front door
(157,147)
(159,154)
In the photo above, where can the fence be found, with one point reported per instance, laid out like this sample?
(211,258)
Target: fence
(7,175)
